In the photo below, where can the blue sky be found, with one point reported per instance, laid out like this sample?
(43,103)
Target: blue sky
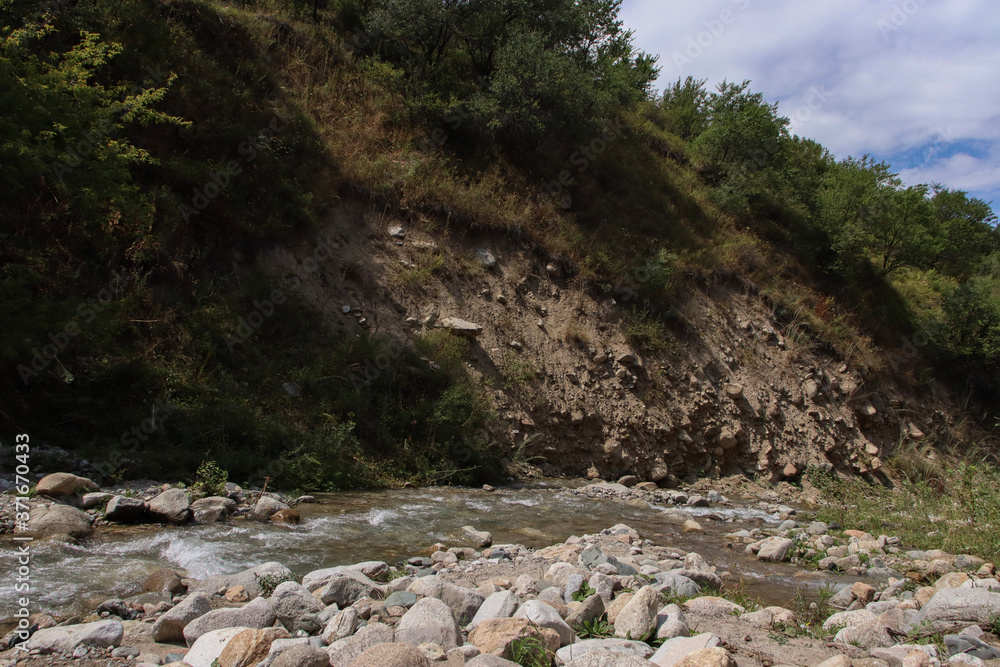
(913,82)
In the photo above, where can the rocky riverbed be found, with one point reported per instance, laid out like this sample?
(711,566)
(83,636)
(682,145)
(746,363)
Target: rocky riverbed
(614,597)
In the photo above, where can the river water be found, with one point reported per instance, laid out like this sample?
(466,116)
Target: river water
(349,527)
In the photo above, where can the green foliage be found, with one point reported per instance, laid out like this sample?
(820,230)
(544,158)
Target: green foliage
(269,582)
(211,477)
(584,592)
(598,628)
(528,652)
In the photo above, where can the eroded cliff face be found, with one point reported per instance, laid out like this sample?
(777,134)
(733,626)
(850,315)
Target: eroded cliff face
(732,389)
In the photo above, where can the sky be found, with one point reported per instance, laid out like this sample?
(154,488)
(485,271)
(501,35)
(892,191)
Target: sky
(915,83)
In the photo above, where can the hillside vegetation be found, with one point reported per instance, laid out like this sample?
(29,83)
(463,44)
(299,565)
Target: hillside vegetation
(153,150)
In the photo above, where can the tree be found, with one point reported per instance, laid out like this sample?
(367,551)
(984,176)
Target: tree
(967,228)
(686,106)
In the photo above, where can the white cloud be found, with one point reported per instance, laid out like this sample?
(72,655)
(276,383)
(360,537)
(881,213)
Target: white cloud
(900,74)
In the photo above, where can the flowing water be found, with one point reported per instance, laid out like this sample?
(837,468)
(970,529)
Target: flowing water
(346,528)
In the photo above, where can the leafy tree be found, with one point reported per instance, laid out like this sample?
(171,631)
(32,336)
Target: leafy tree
(685,103)
(968,230)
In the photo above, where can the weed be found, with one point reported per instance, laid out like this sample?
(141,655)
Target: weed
(211,478)
(584,592)
(598,628)
(269,582)
(528,652)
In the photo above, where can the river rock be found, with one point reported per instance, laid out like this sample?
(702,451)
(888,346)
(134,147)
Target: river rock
(970,645)
(344,651)
(495,635)
(266,506)
(255,615)
(345,587)
(463,602)
(430,620)
(490,660)
(956,608)
(296,607)
(674,650)
(480,538)
(249,647)
(342,625)
(164,581)
(64,484)
(210,646)
(545,616)
(67,638)
(714,656)
(376,570)
(605,658)
(391,655)
(671,622)
(301,656)
(775,549)
(288,517)
(46,520)
(97,499)
(710,605)
(769,616)
(638,619)
(212,509)
(170,626)
(171,506)
(590,609)
(249,579)
(501,604)
(123,509)
(677,584)
(620,647)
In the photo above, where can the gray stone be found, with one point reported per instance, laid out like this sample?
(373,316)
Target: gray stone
(209,647)
(256,614)
(170,626)
(342,625)
(677,584)
(463,602)
(674,650)
(545,616)
(671,622)
(401,599)
(346,587)
(123,510)
(591,608)
(92,500)
(490,660)
(343,652)
(480,538)
(48,520)
(638,618)
(296,608)
(624,647)
(266,506)
(971,646)
(953,608)
(171,506)
(299,656)
(68,638)
(501,604)
(462,327)
(606,658)
(430,620)
(775,549)
(212,508)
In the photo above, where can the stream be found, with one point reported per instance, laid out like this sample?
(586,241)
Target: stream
(350,527)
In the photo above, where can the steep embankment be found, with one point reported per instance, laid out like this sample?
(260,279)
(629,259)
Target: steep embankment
(737,390)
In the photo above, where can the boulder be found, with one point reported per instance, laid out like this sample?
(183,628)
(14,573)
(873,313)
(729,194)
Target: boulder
(57,520)
(345,587)
(620,647)
(674,650)
(171,506)
(210,646)
(170,626)
(490,660)
(480,538)
(97,499)
(671,622)
(501,604)
(954,608)
(288,517)
(60,484)
(638,619)
(257,614)
(342,625)
(391,655)
(67,638)
(495,635)
(344,651)
(164,581)
(123,509)
(775,549)
(301,656)
(589,610)
(429,620)
(714,656)
(296,607)
(266,506)
(710,605)
(249,647)
(463,602)
(545,616)
(606,658)
(771,616)
(212,508)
